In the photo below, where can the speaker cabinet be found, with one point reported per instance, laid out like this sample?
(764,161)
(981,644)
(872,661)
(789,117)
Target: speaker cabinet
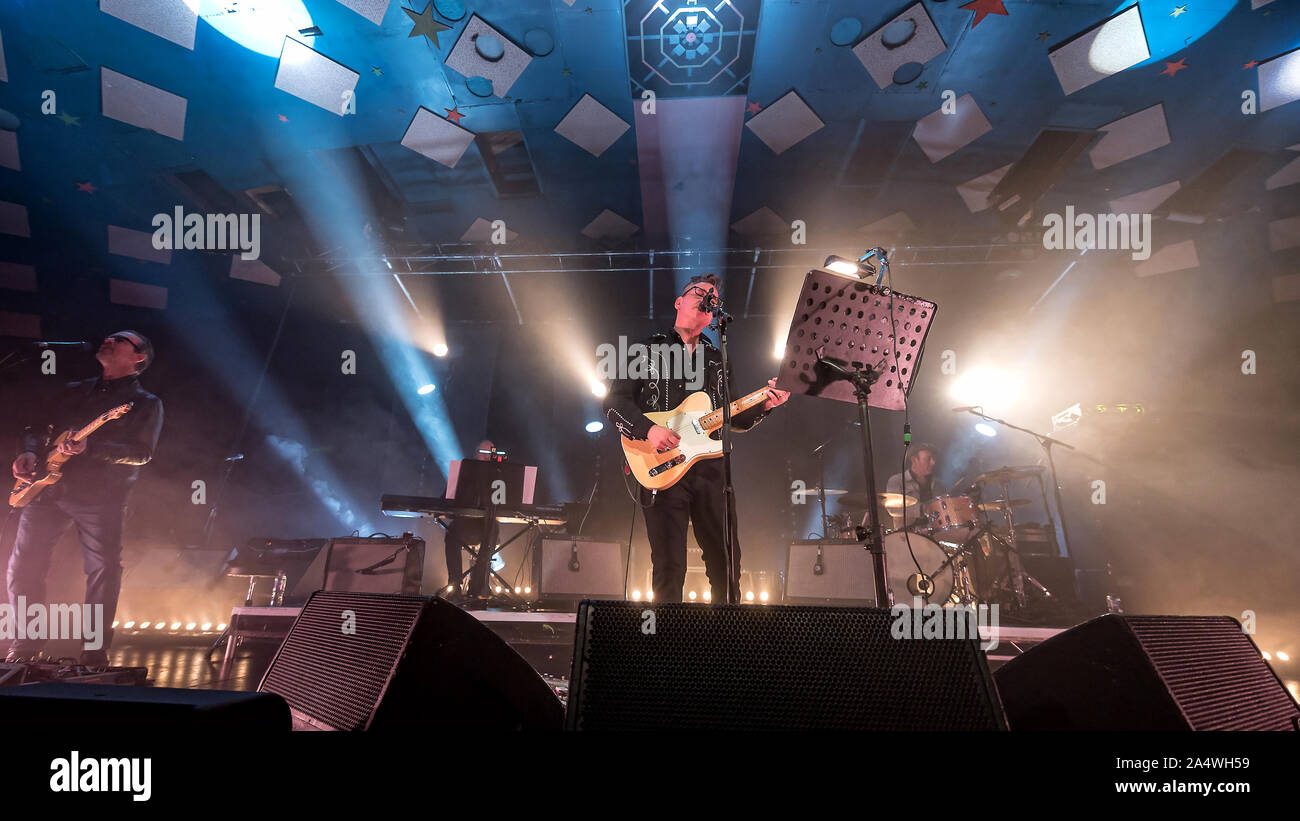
(845,576)
(641,666)
(1122,672)
(366,566)
(576,569)
(59,706)
(366,661)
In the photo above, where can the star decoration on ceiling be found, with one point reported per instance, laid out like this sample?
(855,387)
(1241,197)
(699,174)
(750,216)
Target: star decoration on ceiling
(754,108)
(1251,64)
(284,119)
(1178,10)
(922,84)
(454,114)
(425,24)
(983,8)
(1043,35)
(1173,68)
(68,119)
(88,187)
(376,70)
(567,73)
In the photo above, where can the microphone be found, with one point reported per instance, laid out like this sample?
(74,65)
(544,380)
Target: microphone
(964,408)
(711,304)
(78,346)
(575,566)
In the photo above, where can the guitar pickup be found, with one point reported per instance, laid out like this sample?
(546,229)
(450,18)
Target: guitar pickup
(695,423)
(671,463)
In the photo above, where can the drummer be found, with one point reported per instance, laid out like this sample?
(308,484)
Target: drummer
(921,483)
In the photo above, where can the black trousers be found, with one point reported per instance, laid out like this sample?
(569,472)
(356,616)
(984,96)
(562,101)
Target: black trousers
(697,498)
(462,533)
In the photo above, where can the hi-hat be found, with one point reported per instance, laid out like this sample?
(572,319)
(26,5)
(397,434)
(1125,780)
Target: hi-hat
(1008,474)
(889,500)
(1000,504)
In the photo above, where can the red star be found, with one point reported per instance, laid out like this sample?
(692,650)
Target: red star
(454,114)
(88,187)
(1251,64)
(754,108)
(1173,68)
(284,119)
(982,8)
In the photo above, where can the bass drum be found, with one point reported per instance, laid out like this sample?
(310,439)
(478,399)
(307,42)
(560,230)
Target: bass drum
(933,561)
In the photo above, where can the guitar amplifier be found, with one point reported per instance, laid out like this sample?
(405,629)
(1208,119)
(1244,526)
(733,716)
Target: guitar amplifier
(829,571)
(357,565)
(578,568)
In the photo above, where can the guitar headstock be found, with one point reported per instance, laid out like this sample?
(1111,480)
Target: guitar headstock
(117,413)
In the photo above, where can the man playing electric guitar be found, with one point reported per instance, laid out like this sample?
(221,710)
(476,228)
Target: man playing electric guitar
(96,480)
(698,495)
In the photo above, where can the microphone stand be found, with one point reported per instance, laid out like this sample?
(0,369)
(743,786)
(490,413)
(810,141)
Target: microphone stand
(821,471)
(1046,442)
(728,491)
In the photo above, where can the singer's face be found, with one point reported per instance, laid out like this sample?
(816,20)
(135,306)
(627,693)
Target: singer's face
(118,352)
(688,304)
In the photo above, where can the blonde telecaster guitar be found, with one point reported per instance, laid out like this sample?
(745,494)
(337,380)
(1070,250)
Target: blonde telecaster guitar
(693,420)
(24,491)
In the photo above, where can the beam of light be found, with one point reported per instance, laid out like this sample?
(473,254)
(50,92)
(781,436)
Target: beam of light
(440,349)
(257,25)
(985,429)
(425,390)
(993,388)
(334,201)
(1167,35)
(595,426)
(295,455)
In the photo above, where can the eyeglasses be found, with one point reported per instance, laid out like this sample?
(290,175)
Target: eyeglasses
(127,340)
(695,290)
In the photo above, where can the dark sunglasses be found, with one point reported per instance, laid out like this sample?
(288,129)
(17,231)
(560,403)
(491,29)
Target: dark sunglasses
(127,340)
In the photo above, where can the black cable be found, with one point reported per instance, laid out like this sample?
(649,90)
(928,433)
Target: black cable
(627,569)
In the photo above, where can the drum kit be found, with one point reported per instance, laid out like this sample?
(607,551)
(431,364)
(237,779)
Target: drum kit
(950,549)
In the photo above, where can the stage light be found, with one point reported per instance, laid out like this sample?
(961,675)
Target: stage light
(115,624)
(692,595)
(207,625)
(176,625)
(440,349)
(649,595)
(159,626)
(985,429)
(749,596)
(763,596)
(779,351)
(527,590)
(144,625)
(1267,656)
(636,595)
(598,389)
(451,587)
(191,625)
(498,588)
(260,26)
(519,590)
(595,426)
(221,626)
(840,265)
(990,388)
(1283,656)
(426,389)
(708,595)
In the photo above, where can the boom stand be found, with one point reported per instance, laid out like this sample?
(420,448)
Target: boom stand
(728,490)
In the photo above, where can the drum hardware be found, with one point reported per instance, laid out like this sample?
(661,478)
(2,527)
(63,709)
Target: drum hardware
(892,501)
(998,504)
(1001,572)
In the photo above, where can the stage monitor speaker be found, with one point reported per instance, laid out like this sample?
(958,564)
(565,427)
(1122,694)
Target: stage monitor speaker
(640,666)
(379,565)
(845,576)
(366,661)
(576,569)
(61,706)
(1120,672)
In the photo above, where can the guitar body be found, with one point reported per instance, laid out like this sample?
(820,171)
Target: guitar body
(660,471)
(24,491)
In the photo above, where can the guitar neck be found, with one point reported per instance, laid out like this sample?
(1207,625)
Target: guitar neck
(713,420)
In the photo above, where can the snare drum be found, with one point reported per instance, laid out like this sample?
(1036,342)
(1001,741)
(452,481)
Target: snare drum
(952,518)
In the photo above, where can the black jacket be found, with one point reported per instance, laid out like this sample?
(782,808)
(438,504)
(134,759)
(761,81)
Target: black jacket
(630,398)
(106,470)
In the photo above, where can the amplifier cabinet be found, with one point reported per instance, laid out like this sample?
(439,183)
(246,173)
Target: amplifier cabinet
(829,571)
(573,569)
(379,565)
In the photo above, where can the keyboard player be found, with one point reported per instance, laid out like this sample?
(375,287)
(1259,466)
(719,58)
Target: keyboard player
(464,532)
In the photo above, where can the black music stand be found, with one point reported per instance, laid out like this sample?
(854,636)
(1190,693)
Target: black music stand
(852,341)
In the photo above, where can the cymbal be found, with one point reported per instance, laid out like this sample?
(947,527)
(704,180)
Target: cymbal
(830,491)
(999,504)
(892,501)
(1008,474)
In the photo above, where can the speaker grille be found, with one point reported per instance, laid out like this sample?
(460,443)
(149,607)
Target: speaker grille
(1215,673)
(718,667)
(357,667)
